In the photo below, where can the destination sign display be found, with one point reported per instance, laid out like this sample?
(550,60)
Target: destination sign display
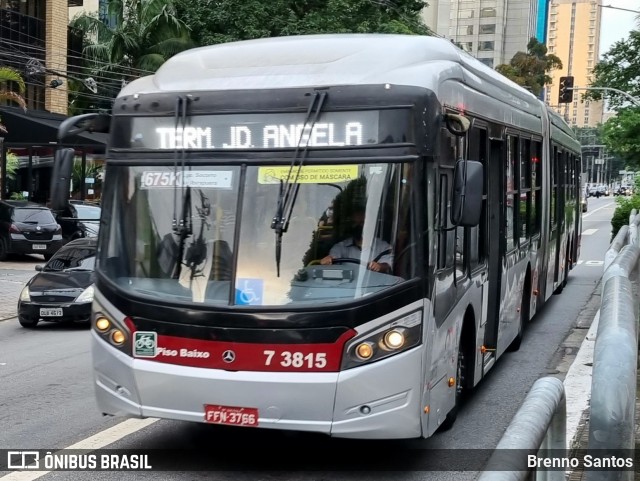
(255,131)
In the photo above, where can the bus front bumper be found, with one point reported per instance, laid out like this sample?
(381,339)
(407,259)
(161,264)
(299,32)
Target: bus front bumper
(376,401)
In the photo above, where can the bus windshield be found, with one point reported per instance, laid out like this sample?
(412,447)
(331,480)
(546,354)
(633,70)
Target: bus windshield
(203,234)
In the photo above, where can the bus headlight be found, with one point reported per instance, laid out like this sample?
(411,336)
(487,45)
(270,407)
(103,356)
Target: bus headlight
(114,332)
(387,340)
(394,339)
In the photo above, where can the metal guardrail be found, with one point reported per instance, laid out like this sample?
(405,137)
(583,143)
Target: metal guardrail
(615,359)
(540,424)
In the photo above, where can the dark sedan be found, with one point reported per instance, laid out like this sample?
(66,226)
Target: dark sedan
(62,290)
(79,220)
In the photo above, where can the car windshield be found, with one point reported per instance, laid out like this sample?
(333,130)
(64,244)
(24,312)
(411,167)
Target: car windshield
(86,212)
(71,258)
(34,216)
(211,241)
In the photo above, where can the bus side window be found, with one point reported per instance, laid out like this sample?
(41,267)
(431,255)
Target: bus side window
(446,238)
(511,200)
(460,248)
(477,150)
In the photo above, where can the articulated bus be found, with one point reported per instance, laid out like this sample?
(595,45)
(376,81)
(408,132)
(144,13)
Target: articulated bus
(337,234)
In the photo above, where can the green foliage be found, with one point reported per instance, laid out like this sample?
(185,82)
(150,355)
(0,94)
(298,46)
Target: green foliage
(619,69)
(12,88)
(218,21)
(147,33)
(17,196)
(622,212)
(12,165)
(91,170)
(621,135)
(531,69)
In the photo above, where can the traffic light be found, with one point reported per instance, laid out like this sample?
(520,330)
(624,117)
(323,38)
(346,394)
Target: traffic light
(565,95)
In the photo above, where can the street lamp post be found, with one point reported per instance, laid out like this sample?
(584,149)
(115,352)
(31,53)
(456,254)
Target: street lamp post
(633,99)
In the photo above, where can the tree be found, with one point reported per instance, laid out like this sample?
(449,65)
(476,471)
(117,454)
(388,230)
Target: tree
(621,134)
(219,21)
(531,69)
(619,69)
(146,34)
(10,81)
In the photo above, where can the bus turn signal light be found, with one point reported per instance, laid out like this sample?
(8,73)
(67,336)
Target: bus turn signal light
(118,337)
(364,351)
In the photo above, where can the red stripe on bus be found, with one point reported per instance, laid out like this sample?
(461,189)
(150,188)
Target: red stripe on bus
(238,356)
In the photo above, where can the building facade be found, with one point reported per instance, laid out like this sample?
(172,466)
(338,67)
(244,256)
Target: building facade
(36,41)
(574,36)
(493,31)
(541,24)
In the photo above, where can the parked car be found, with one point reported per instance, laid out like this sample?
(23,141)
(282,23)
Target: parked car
(28,228)
(79,220)
(62,290)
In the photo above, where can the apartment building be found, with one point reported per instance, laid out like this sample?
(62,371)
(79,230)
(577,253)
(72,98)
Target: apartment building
(573,35)
(493,31)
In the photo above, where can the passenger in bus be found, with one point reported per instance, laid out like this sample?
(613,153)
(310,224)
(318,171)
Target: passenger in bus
(378,257)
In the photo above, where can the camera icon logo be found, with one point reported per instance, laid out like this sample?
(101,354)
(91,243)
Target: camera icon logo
(23,460)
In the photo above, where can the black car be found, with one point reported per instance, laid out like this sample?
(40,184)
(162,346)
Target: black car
(28,228)
(79,220)
(63,289)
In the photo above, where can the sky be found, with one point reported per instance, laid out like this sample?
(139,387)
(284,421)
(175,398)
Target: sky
(616,24)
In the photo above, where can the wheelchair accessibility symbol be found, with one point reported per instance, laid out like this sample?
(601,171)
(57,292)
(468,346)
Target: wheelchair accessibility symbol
(249,292)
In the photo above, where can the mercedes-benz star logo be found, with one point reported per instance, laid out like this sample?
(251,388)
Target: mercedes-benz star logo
(228,356)
(38,228)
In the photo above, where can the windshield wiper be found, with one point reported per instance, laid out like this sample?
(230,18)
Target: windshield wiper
(183,227)
(289,190)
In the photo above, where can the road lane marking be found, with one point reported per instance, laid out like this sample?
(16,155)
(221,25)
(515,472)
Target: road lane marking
(589,231)
(97,441)
(599,208)
(590,263)
(577,382)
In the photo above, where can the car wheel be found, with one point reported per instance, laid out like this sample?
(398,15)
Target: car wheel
(27,323)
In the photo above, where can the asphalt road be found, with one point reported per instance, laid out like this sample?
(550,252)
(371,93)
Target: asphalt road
(46,394)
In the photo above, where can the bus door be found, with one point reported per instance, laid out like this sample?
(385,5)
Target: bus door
(495,244)
(560,222)
(477,243)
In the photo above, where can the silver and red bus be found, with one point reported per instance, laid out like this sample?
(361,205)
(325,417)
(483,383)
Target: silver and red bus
(337,234)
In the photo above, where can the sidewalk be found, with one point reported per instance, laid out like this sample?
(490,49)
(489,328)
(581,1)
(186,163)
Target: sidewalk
(582,439)
(583,365)
(13,278)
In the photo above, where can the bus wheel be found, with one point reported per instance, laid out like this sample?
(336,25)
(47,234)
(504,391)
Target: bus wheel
(460,389)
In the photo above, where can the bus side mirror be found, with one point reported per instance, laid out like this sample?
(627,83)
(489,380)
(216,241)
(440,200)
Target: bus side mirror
(466,205)
(61,178)
(84,123)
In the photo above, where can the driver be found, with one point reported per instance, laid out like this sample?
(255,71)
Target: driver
(380,252)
